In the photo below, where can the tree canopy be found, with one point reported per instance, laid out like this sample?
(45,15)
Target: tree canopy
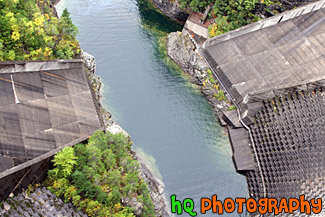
(30,30)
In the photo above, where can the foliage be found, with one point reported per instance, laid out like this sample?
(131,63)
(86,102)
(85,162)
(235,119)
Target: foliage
(220,26)
(102,173)
(30,30)
(228,14)
(232,14)
(271,2)
(220,95)
(211,77)
(64,162)
(232,107)
(195,5)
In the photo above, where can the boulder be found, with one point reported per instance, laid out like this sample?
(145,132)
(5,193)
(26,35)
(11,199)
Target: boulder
(90,62)
(133,203)
(181,49)
(115,128)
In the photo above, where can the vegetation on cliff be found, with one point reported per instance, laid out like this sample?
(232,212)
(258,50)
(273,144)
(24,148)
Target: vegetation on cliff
(100,177)
(228,15)
(30,30)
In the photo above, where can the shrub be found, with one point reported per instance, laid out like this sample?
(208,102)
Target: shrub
(220,95)
(195,5)
(232,107)
(99,139)
(87,188)
(64,162)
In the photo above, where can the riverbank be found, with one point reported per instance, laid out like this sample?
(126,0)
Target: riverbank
(155,186)
(181,49)
(180,53)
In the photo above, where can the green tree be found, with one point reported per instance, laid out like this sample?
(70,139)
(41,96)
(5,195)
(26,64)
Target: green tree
(64,162)
(66,26)
(29,30)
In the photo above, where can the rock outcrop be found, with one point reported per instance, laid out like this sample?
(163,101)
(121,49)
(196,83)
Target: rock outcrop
(182,50)
(96,84)
(171,9)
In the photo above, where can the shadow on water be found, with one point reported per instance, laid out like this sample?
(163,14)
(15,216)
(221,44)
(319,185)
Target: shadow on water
(152,19)
(156,26)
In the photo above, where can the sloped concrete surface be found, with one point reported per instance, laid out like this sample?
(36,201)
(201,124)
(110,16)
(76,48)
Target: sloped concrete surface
(39,203)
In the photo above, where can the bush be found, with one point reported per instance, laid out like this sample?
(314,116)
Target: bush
(220,95)
(99,139)
(232,107)
(195,5)
(64,162)
(231,14)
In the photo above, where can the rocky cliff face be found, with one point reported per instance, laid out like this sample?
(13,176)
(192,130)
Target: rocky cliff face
(171,9)
(182,50)
(156,187)
(96,84)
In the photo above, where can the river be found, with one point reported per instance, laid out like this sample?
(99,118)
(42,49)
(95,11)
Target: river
(171,124)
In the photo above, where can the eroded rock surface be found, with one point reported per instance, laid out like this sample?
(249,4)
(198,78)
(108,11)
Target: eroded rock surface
(182,50)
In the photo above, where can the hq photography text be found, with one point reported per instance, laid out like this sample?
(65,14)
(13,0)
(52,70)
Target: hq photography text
(262,205)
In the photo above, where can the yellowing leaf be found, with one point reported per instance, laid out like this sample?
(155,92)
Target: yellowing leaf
(39,19)
(15,35)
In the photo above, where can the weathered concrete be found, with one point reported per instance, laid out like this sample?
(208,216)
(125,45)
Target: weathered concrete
(269,58)
(36,65)
(197,29)
(41,202)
